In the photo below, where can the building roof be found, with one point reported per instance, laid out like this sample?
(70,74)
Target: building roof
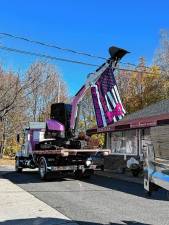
(158,108)
(152,115)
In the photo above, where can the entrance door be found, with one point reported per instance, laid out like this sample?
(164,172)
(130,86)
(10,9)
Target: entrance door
(145,140)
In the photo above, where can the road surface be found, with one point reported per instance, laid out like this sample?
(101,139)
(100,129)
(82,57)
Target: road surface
(97,201)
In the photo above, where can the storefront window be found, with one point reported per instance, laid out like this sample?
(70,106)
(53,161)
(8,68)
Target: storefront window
(145,134)
(124,142)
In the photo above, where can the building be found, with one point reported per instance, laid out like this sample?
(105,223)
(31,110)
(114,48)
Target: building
(128,137)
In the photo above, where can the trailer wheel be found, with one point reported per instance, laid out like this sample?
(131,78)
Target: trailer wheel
(18,168)
(43,168)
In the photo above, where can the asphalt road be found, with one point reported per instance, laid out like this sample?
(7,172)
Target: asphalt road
(98,200)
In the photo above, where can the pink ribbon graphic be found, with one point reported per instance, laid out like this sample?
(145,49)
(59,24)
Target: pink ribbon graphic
(116,112)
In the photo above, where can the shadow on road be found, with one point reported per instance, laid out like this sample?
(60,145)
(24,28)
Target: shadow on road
(126,187)
(29,177)
(55,221)
(112,184)
(4,171)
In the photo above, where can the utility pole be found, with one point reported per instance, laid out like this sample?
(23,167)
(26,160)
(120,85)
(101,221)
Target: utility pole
(58,97)
(141,69)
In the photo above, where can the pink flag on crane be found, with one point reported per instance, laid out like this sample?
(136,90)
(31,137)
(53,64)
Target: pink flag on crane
(106,99)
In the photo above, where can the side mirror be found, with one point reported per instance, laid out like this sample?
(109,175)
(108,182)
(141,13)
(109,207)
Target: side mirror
(18,138)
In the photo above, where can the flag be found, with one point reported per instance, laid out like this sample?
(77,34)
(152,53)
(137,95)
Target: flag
(106,99)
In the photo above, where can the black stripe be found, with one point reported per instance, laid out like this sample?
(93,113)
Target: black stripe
(111,104)
(116,96)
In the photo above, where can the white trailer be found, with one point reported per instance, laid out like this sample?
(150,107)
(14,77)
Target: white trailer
(156,166)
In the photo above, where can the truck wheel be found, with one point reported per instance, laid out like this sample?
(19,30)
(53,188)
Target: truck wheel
(43,168)
(18,169)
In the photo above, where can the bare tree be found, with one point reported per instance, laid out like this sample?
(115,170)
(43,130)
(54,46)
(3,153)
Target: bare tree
(161,57)
(11,99)
(22,100)
(86,113)
(48,87)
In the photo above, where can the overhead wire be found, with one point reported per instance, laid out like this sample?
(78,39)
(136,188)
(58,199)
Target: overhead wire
(63,49)
(45,56)
(58,47)
(67,60)
(52,46)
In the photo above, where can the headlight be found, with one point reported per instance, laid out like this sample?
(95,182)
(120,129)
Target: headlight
(88,162)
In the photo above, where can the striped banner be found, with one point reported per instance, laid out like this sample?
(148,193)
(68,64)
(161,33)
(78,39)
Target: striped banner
(106,99)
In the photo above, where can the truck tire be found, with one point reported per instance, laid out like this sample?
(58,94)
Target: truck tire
(43,168)
(18,168)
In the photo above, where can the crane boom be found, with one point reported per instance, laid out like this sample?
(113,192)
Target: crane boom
(116,54)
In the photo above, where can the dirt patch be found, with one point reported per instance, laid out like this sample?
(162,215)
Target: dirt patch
(5,161)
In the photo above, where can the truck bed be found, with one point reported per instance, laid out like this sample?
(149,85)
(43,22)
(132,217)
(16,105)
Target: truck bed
(66,152)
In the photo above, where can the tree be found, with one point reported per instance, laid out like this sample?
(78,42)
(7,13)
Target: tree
(86,113)
(11,100)
(87,118)
(161,56)
(10,91)
(48,87)
(29,98)
(141,87)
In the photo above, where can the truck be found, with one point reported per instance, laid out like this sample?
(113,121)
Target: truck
(45,148)
(54,146)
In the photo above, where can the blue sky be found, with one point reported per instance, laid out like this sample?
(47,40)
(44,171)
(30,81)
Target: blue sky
(90,26)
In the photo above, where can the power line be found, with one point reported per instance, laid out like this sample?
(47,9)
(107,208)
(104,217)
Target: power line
(58,47)
(52,46)
(68,60)
(45,56)
(63,49)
